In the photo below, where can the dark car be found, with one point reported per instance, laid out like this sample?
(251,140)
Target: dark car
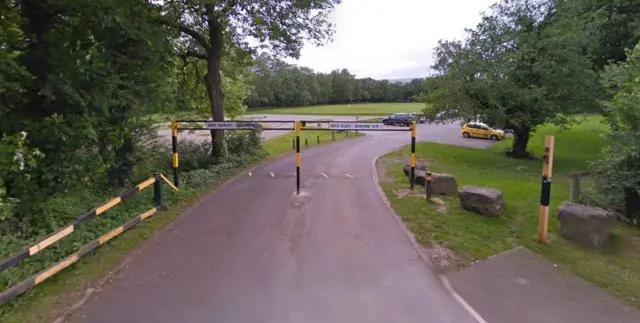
(397,119)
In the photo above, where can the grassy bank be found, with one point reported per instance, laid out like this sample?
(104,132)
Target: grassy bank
(360,109)
(49,299)
(615,268)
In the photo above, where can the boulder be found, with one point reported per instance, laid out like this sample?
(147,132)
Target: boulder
(486,201)
(586,225)
(420,172)
(443,184)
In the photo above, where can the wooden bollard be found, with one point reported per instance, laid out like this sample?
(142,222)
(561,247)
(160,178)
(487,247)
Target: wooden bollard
(427,186)
(545,194)
(333,135)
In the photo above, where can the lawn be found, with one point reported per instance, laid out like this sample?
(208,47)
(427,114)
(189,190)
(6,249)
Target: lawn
(65,288)
(615,268)
(360,109)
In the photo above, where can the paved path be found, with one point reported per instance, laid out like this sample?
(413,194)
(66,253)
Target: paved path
(255,252)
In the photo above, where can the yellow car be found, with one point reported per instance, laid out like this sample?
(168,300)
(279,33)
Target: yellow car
(481,130)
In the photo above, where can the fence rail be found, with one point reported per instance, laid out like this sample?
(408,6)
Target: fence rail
(26,252)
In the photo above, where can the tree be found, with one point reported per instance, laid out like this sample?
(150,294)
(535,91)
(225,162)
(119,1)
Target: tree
(515,71)
(210,30)
(618,172)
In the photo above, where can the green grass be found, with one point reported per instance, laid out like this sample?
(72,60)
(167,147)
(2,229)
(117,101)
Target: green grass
(283,144)
(615,268)
(360,109)
(62,290)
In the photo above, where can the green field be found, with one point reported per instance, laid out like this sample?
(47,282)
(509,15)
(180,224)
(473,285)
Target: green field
(360,109)
(616,268)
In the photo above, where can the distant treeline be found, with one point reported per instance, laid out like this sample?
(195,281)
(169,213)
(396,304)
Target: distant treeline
(275,83)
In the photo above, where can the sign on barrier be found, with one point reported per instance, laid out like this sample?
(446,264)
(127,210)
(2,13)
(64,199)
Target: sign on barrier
(212,125)
(355,126)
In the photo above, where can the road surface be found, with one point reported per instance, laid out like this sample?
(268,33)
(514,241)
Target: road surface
(255,252)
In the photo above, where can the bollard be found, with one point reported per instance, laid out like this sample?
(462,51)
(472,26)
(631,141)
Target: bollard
(306,141)
(427,185)
(157,190)
(318,139)
(333,135)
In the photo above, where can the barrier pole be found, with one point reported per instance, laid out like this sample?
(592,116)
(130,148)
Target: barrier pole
(174,150)
(298,157)
(413,155)
(545,195)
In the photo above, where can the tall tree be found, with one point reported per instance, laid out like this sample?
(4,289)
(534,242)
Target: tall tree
(514,71)
(211,29)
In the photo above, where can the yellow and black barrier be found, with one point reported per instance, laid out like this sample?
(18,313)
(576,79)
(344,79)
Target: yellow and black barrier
(413,156)
(174,152)
(176,128)
(13,260)
(298,131)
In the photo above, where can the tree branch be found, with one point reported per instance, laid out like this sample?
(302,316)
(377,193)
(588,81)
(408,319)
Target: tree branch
(194,54)
(198,37)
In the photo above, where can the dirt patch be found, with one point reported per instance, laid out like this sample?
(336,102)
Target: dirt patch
(404,192)
(441,205)
(445,259)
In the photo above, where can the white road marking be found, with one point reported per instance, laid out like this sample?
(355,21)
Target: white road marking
(250,174)
(348,175)
(323,174)
(461,300)
(272,174)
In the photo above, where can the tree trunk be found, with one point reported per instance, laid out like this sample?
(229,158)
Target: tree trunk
(520,141)
(214,86)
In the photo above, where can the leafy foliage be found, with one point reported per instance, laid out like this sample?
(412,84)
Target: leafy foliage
(515,70)
(619,171)
(274,83)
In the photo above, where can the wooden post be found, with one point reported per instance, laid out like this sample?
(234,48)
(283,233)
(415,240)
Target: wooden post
(427,185)
(575,188)
(545,196)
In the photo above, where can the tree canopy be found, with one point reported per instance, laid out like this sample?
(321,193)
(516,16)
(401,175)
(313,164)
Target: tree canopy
(514,70)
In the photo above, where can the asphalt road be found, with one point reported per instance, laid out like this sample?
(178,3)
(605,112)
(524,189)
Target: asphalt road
(255,252)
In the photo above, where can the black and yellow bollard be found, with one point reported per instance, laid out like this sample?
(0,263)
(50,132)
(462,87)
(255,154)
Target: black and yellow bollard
(174,151)
(413,155)
(298,157)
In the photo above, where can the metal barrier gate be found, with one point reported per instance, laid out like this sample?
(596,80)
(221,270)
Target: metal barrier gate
(354,126)
(215,125)
(298,126)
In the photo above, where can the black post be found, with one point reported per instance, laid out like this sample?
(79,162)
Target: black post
(298,158)
(318,139)
(333,135)
(174,150)
(157,190)
(413,157)
(306,142)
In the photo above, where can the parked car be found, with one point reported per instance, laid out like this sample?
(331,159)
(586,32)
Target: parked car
(417,117)
(481,130)
(401,119)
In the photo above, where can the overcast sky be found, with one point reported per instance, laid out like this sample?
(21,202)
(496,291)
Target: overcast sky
(391,38)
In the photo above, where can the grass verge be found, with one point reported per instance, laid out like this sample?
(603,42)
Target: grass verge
(360,109)
(51,298)
(615,268)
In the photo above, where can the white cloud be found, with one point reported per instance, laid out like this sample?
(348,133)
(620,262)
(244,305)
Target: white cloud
(391,39)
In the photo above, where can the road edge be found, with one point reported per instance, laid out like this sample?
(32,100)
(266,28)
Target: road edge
(414,243)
